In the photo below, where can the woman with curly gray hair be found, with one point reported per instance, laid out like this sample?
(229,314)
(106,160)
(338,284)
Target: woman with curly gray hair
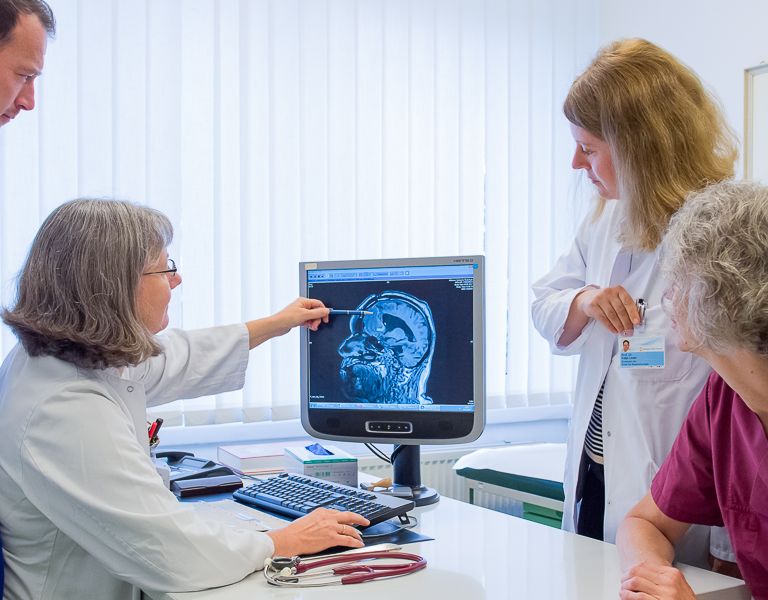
(83,512)
(716,253)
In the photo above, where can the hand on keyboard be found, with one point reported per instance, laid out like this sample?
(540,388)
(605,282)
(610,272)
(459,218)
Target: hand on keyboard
(296,495)
(327,511)
(320,529)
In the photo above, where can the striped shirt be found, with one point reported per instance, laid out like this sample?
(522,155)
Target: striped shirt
(593,442)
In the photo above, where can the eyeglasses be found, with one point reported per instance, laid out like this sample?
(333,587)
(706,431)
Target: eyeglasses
(169,272)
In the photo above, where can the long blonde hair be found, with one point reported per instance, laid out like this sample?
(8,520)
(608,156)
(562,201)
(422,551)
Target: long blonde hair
(667,134)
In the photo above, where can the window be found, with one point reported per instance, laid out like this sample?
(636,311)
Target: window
(272,132)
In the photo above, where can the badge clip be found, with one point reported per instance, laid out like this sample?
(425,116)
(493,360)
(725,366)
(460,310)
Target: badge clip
(641,305)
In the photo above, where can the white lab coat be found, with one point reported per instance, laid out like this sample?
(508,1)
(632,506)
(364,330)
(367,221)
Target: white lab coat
(643,410)
(83,512)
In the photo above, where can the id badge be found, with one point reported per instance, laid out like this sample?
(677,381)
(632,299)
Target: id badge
(641,351)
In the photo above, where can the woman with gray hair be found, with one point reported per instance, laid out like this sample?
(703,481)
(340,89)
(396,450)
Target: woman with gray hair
(716,253)
(83,512)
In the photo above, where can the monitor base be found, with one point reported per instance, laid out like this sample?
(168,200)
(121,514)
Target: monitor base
(406,462)
(421,495)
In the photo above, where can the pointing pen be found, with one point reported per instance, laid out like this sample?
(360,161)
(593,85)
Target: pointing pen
(338,311)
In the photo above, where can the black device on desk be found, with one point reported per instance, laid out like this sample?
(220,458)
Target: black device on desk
(193,476)
(296,495)
(185,465)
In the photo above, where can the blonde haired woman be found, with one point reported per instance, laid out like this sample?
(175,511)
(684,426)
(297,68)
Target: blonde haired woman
(647,133)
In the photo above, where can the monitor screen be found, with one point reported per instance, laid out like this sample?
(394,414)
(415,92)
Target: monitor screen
(402,357)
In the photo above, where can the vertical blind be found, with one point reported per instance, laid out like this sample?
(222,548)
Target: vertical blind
(274,131)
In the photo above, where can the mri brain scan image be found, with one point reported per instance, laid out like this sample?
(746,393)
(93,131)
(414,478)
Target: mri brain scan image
(387,356)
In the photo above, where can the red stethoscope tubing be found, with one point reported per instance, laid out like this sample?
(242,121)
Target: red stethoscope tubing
(352,572)
(303,566)
(370,573)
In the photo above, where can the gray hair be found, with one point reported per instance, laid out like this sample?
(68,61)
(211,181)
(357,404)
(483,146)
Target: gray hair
(716,253)
(11,10)
(76,297)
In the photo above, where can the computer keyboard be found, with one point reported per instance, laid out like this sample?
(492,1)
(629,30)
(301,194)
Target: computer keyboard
(296,495)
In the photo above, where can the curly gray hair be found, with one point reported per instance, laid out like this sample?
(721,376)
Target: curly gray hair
(716,253)
(77,291)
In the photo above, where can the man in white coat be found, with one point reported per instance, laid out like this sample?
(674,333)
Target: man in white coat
(24,29)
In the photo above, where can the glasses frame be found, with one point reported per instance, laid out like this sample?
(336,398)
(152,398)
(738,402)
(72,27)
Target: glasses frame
(170,272)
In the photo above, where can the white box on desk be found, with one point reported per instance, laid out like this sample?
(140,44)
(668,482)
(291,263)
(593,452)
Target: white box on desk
(338,466)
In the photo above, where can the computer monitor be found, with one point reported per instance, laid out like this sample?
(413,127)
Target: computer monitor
(402,359)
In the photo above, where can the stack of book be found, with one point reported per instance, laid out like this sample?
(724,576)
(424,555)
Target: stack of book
(256,459)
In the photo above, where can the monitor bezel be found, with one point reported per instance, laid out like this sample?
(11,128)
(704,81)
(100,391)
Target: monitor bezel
(478,358)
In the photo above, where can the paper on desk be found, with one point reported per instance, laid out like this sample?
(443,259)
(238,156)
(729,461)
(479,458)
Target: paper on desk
(236,515)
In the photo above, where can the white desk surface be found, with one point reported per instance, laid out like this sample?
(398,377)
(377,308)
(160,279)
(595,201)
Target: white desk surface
(479,553)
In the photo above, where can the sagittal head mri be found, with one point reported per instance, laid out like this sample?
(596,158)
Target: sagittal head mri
(387,356)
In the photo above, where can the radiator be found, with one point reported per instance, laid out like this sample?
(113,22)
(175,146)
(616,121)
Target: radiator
(437,472)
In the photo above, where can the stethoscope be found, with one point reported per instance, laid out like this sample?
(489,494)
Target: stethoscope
(354,566)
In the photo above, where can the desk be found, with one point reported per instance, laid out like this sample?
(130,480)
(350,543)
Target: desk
(483,554)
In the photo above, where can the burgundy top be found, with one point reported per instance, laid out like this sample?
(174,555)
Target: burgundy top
(717,473)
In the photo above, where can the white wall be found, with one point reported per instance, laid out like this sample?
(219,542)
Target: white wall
(718,39)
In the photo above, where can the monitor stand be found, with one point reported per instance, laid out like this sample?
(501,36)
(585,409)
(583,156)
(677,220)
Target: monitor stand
(406,461)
